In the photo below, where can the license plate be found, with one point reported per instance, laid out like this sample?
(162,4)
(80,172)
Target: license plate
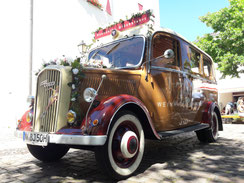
(35,138)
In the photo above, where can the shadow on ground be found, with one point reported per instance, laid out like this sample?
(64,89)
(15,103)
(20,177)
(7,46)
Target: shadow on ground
(177,158)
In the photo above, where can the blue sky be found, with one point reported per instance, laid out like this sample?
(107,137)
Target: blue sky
(182,16)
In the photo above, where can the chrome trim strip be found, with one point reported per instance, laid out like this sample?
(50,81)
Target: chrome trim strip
(168,69)
(94,140)
(78,139)
(149,48)
(182,72)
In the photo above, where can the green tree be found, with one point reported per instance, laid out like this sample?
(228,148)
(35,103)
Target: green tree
(226,43)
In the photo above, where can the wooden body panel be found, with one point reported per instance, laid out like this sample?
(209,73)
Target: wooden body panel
(174,95)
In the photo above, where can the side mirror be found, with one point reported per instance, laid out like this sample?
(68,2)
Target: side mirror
(169,54)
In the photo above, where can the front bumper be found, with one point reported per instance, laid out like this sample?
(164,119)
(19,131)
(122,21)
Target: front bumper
(90,140)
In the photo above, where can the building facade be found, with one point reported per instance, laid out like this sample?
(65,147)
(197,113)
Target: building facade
(230,89)
(60,25)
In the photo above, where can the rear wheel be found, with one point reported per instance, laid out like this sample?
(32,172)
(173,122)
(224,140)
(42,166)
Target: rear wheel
(50,153)
(210,134)
(122,153)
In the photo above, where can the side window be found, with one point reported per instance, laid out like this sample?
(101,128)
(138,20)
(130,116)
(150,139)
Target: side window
(161,43)
(195,61)
(207,67)
(185,56)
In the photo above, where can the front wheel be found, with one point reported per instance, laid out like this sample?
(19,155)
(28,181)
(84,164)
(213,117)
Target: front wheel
(210,134)
(122,153)
(50,153)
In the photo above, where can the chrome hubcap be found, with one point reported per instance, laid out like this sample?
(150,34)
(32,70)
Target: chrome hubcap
(129,144)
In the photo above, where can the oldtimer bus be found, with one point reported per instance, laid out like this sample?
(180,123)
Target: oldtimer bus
(136,87)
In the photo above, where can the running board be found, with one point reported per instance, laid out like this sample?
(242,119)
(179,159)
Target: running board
(183,130)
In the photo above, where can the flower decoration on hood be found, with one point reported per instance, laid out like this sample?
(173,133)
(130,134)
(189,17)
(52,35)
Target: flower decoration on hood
(75,71)
(77,75)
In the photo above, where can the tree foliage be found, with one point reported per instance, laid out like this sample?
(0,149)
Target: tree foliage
(226,43)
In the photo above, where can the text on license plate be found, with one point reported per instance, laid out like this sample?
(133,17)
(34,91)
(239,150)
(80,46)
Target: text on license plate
(35,138)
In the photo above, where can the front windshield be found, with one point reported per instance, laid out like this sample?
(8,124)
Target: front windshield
(122,54)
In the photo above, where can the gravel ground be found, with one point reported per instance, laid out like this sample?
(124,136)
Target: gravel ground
(178,159)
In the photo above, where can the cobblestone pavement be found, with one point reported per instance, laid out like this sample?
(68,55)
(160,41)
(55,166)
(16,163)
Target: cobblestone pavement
(177,159)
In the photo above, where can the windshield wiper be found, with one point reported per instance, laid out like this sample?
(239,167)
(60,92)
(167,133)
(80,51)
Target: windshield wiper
(111,49)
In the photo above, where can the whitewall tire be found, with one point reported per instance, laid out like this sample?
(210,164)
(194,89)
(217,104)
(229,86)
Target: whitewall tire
(123,152)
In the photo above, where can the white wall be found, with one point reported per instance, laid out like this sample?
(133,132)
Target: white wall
(59,26)
(128,7)
(224,98)
(227,86)
(14,49)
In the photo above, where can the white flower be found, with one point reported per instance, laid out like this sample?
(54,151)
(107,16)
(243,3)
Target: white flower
(75,71)
(73,99)
(73,86)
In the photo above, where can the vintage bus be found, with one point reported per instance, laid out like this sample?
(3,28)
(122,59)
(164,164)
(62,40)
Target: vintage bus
(136,87)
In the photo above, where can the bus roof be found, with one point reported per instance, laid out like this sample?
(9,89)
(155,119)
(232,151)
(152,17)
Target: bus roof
(143,30)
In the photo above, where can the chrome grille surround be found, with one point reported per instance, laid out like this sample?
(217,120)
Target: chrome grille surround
(52,99)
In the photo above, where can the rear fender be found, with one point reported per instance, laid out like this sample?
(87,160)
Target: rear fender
(101,117)
(211,107)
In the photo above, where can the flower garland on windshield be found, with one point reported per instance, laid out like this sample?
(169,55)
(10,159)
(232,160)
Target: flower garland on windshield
(96,63)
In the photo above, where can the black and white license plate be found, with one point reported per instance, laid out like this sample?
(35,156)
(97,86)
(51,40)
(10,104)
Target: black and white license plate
(36,138)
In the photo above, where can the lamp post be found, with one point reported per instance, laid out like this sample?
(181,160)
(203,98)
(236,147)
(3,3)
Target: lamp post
(31,48)
(82,48)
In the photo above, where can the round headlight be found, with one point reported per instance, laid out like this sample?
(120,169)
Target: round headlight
(71,116)
(29,117)
(89,94)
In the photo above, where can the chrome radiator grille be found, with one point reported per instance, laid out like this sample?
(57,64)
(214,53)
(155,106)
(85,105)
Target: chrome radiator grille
(47,101)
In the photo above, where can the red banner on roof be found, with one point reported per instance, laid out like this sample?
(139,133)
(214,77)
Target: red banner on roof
(123,26)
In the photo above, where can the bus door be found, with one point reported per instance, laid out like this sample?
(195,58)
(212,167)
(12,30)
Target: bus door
(167,82)
(193,95)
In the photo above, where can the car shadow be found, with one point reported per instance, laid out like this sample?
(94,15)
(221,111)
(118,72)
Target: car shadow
(187,159)
(180,157)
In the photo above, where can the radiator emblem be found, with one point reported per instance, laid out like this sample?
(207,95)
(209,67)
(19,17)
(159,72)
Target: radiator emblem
(47,84)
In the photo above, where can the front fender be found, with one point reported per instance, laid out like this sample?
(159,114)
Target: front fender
(23,125)
(101,117)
